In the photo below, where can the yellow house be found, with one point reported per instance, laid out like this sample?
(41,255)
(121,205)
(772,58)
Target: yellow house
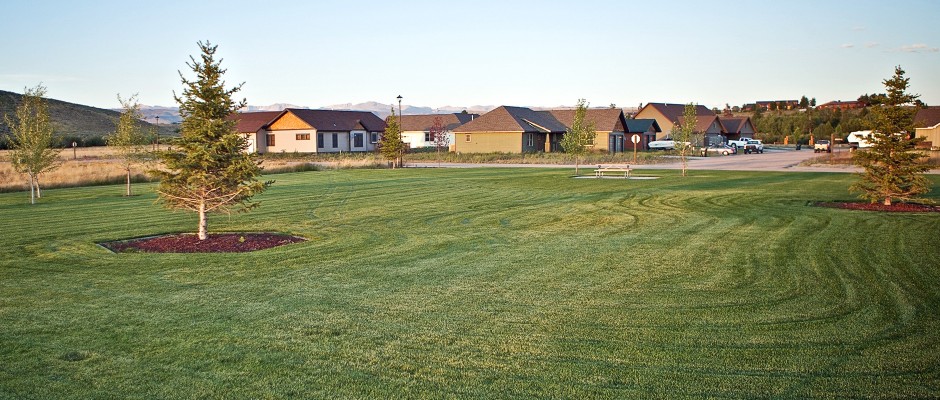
(510,130)
(928,119)
(310,131)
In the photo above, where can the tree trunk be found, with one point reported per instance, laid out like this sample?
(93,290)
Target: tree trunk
(32,191)
(577,166)
(128,182)
(887,201)
(36,183)
(203,224)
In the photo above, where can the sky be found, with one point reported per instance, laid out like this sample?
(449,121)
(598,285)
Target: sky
(465,53)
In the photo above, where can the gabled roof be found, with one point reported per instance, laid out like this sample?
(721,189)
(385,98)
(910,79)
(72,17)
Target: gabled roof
(735,124)
(338,120)
(514,119)
(249,122)
(605,119)
(642,125)
(674,111)
(927,117)
(703,122)
(424,122)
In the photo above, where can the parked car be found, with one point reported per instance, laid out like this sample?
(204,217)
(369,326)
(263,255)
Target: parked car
(822,145)
(739,143)
(722,149)
(753,146)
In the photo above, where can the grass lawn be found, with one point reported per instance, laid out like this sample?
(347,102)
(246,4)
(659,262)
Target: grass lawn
(478,283)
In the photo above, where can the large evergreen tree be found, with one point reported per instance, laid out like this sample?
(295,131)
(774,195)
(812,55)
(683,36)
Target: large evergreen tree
(208,169)
(579,135)
(893,168)
(32,139)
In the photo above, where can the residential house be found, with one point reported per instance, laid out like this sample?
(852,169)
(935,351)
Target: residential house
(669,115)
(609,126)
(416,129)
(311,131)
(778,104)
(510,130)
(710,127)
(927,121)
(738,127)
(841,105)
(647,128)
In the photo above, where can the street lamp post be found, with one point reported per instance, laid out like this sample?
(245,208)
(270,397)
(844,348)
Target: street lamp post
(156,145)
(402,148)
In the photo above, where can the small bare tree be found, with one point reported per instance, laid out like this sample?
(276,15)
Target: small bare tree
(128,140)
(579,136)
(438,134)
(32,139)
(683,134)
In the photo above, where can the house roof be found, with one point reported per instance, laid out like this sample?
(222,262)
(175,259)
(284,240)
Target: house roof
(674,111)
(253,121)
(642,125)
(927,117)
(735,124)
(338,120)
(703,122)
(514,119)
(604,119)
(424,122)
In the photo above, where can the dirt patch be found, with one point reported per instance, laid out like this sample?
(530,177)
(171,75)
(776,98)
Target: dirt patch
(896,207)
(215,243)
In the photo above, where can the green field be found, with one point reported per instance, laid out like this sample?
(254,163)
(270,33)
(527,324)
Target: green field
(478,283)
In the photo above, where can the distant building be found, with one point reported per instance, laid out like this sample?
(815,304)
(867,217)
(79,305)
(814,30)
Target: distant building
(310,131)
(669,115)
(927,122)
(416,129)
(842,105)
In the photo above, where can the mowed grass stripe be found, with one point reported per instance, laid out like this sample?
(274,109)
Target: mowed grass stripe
(478,283)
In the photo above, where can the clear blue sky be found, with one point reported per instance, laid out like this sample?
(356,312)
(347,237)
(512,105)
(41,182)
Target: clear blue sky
(437,53)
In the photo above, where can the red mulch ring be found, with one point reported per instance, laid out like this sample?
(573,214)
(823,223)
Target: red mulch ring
(215,243)
(896,207)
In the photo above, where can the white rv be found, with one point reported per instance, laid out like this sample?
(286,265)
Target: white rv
(859,139)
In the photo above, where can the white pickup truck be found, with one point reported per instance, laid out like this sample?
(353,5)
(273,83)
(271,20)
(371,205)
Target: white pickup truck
(748,145)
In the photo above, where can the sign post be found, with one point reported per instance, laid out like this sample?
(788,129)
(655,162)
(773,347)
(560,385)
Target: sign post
(635,139)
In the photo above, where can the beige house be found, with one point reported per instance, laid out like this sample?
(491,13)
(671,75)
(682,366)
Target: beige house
(416,129)
(609,126)
(669,115)
(928,122)
(310,131)
(510,130)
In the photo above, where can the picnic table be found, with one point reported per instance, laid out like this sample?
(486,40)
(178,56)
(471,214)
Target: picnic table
(601,171)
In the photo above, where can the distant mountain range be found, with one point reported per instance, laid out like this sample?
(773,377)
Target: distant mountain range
(170,115)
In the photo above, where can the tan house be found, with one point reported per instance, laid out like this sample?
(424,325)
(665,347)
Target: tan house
(416,129)
(738,127)
(928,122)
(609,126)
(510,130)
(310,131)
(669,115)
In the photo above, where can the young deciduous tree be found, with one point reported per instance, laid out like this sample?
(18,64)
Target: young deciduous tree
(128,140)
(31,139)
(208,169)
(439,136)
(579,136)
(390,145)
(893,168)
(683,134)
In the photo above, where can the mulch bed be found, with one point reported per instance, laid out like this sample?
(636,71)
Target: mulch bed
(896,207)
(215,243)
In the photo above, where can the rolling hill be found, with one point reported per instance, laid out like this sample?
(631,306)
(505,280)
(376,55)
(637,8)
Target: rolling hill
(73,120)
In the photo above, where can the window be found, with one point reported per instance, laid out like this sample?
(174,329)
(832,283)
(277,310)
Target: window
(357,140)
(270,140)
(303,136)
(528,140)
(468,138)
(373,137)
(319,140)
(428,137)
(335,140)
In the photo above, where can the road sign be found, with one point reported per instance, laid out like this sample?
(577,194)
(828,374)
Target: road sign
(635,139)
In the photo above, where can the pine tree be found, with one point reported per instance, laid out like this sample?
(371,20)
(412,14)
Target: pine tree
(893,168)
(32,139)
(579,135)
(208,169)
(128,140)
(391,145)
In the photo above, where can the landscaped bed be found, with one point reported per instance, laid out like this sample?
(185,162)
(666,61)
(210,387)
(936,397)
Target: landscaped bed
(896,207)
(214,243)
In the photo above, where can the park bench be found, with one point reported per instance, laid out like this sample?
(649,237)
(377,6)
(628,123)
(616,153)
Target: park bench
(600,171)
